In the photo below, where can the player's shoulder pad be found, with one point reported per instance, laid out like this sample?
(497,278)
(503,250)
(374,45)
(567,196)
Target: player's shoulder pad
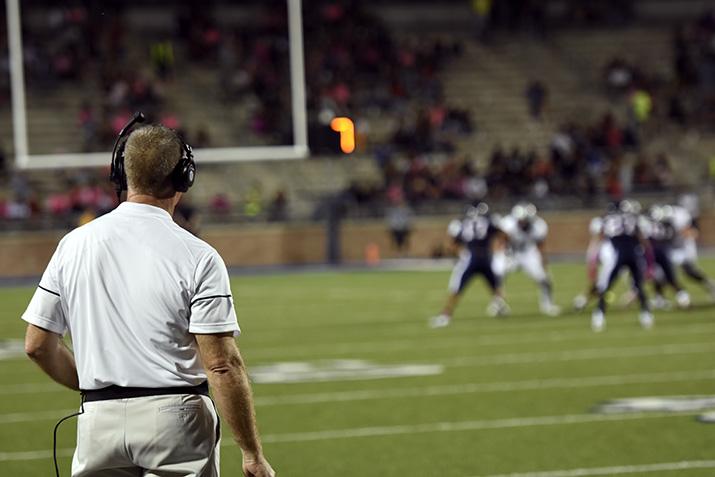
(454,228)
(541,228)
(681,217)
(595,226)
(507,223)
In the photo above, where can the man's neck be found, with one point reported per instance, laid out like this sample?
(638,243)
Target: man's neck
(166,204)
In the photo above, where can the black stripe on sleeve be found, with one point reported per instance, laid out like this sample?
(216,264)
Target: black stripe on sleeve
(208,298)
(48,291)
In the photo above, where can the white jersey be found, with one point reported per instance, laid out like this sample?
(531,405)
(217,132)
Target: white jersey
(132,287)
(685,249)
(595,227)
(521,238)
(682,220)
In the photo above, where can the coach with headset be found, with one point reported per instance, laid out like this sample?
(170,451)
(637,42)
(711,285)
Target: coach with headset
(150,313)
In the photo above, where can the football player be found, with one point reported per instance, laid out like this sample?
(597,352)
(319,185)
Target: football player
(599,251)
(685,250)
(481,252)
(622,229)
(662,234)
(526,233)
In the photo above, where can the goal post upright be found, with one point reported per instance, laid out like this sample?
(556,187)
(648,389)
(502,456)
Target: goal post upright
(17,84)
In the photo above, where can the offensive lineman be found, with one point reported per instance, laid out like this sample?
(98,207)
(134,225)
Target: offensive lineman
(622,229)
(482,253)
(662,235)
(526,233)
(685,250)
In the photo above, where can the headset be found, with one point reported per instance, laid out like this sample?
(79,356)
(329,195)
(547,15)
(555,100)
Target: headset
(182,176)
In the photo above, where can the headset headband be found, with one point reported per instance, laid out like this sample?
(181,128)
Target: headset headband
(182,177)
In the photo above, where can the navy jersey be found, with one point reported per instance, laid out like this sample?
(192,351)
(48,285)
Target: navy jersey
(476,233)
(623,230)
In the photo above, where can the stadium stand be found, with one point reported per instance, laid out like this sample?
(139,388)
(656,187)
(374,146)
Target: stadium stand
(445,111)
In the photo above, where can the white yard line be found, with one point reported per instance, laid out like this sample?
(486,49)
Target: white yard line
(457,426)
(431,391)
(33,455)
(377,431)
(493,387)
(478,360)
(616,470)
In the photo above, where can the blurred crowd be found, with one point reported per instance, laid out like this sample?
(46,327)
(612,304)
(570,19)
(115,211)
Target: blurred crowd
(581,160)
(688,98)
(389,82)
(533,16)
(80,197)
(368,72)
(692,100)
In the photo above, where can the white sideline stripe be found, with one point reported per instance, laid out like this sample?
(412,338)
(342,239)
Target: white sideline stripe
(450,342)
(34,455)
(467,361)
(403,429)
(621,469)
(539,325)
(494,387)
(424,391)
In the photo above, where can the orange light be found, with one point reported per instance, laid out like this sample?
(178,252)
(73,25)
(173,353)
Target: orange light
(346,128)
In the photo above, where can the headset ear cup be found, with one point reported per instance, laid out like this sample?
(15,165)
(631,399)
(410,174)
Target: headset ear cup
(183,175)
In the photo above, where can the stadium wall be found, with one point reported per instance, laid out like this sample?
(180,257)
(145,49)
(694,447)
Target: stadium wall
(25,254)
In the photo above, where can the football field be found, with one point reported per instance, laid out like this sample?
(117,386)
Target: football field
(350,381)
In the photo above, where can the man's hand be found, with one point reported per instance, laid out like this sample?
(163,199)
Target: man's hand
(257,467)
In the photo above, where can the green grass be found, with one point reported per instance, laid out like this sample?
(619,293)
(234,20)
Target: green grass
(499,375)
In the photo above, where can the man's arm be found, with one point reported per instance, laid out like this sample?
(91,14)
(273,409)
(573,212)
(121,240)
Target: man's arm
(229,381)
(50,353)
(541,246)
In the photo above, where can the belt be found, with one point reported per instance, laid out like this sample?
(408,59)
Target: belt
(121,392)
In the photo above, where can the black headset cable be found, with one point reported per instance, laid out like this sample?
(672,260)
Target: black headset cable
(54,433)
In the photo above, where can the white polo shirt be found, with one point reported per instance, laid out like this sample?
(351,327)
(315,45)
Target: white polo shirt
(132,287)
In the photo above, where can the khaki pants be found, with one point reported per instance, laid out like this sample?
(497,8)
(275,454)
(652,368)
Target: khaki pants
(157,436)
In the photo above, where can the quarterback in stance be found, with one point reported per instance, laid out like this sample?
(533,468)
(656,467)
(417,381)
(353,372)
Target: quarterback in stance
(482,253)
(599,252)
(526,233)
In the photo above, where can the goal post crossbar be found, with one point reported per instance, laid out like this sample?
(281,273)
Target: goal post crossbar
(24,160)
